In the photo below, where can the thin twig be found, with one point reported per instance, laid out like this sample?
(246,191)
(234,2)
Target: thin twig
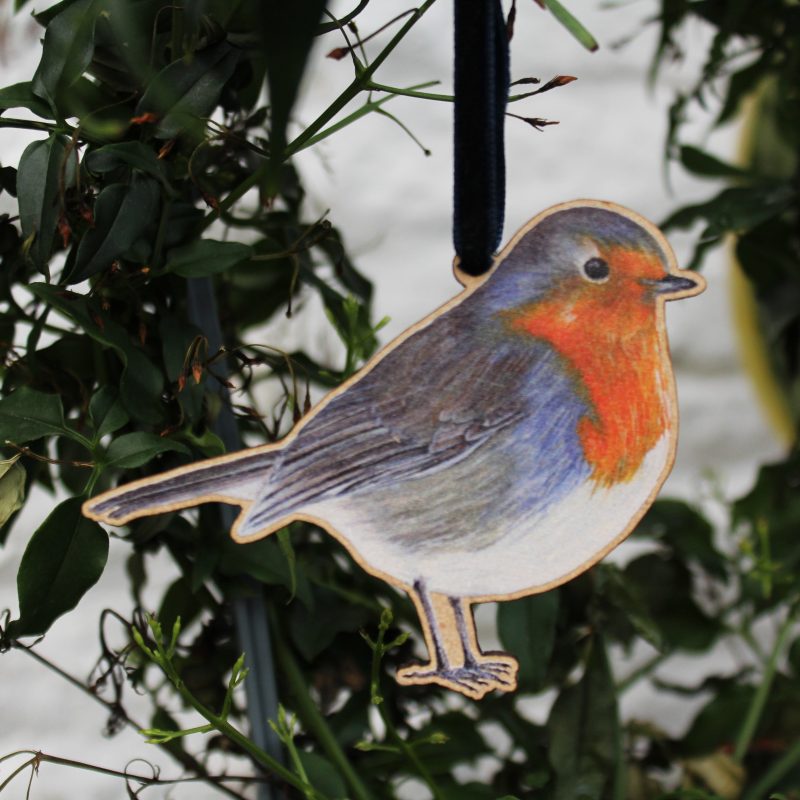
(26,451)
(36,125)
(182,757)
(37,756)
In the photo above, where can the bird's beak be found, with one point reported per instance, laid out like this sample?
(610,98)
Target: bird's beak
(682,284)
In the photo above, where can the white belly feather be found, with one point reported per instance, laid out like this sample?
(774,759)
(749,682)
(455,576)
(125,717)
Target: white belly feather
(533,554)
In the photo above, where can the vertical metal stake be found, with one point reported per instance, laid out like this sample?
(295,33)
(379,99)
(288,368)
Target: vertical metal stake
(250,613)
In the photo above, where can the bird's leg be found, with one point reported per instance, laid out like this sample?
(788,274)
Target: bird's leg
(499,668)
(439,650)
(456,660)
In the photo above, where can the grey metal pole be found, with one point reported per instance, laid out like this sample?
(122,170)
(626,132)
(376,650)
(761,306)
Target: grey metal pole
(250,613)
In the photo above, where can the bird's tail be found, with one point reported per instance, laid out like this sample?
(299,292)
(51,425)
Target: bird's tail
(235,478)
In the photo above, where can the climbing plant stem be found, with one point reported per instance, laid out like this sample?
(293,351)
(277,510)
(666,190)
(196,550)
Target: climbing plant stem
(309,713)
(759,700)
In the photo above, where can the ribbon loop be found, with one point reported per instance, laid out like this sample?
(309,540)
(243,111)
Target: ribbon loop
(481,83)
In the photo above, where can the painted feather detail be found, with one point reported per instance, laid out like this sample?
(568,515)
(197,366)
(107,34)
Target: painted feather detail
(612,342)
(374,438)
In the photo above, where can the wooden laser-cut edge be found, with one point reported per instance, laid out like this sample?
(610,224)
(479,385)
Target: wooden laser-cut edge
(470,284)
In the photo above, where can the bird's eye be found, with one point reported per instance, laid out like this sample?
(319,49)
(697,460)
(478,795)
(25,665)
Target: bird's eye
(596,270)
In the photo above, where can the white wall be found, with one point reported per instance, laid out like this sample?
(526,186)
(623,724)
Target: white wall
(394,207)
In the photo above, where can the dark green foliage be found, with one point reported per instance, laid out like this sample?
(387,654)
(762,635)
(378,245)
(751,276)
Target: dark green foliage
(527,627)
(64,558)
(748,719)
(287,33)
(45,172)
(27,415)
(67,51)
(153,130)
(755,57)
(21,95)
(187,90)
(207,257)
(583,732)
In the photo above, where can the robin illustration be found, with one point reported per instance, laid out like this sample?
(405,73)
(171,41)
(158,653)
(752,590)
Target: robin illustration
(497,448)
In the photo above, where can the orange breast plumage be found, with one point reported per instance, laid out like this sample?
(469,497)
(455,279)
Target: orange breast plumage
(612,343)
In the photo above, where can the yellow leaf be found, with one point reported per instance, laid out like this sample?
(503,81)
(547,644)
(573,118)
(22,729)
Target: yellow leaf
(12,487)
(719,772)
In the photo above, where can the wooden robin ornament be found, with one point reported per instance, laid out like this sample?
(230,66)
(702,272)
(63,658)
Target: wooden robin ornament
(497,448)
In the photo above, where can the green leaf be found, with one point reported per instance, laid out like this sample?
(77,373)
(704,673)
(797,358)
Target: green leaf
(12,487)
(322,775)
(206,560)
(793,657)
(42,167)
(285,543)
(287,31)
(332,245)
(305,368)
(103,116)
(135,155)
(178,337)
(680,527)
(67,50)
(207,442)
(619,610)
(72,477)
(313,629)
(8,183)
(742,86)
(454,743)
(20,95)
(180,600)
(665,585)
(122,213)
(570,23)
(335,303)
(63,560)
(701,163)
(106,412)
(204,257)
(185,91)
(718,721)
(767,256)
(264,561)
(736,209)
(771,150)
(769,515)
(135,449)
(583,727)
(527,628)
(183,222)
(27,415)
(142,382)
(257,289)
(44,18)
(474,790)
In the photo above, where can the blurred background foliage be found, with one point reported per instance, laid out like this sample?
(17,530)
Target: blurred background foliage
(133,283)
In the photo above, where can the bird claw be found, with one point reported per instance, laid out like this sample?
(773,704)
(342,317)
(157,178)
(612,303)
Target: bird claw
(475,678)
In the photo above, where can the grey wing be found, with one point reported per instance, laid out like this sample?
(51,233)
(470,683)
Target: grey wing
(426,405)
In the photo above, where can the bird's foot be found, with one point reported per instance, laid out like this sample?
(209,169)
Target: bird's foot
(475,678)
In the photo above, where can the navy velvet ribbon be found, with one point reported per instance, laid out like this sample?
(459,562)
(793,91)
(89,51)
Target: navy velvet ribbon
(481,91)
